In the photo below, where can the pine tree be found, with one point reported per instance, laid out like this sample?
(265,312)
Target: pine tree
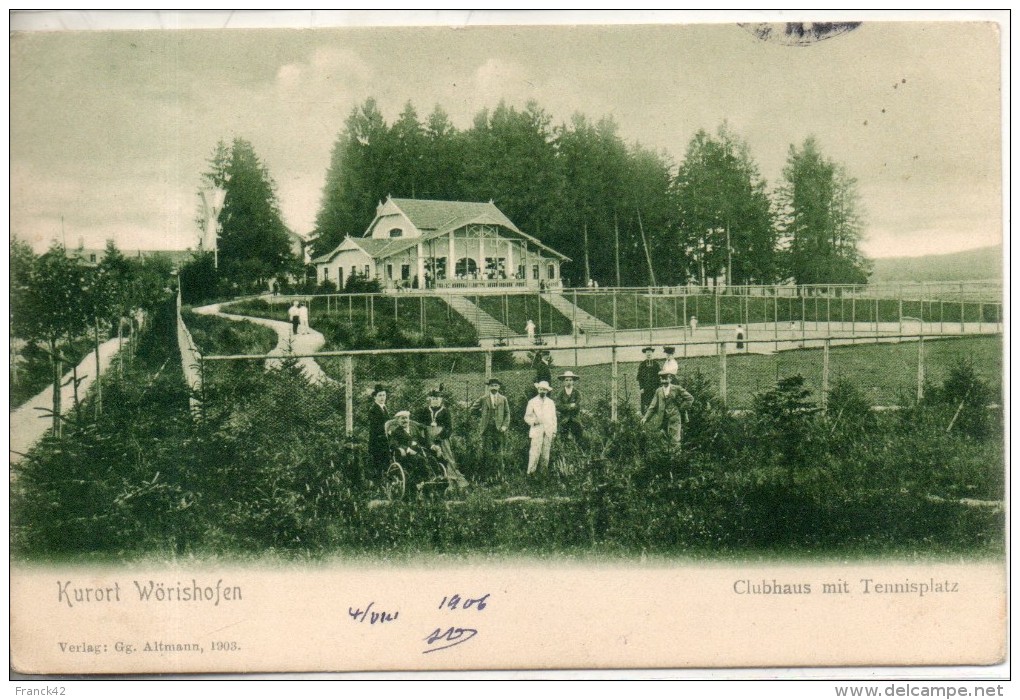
(822,219)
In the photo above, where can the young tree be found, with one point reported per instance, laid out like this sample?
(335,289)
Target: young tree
(254,244)
(51,302)
(822,219)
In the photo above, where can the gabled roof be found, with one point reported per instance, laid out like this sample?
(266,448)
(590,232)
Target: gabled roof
(438,215)
(436,218)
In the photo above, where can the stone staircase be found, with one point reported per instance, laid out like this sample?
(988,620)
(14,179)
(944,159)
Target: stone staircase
(486,325)
(584,320)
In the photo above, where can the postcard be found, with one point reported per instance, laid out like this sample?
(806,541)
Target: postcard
(506,342)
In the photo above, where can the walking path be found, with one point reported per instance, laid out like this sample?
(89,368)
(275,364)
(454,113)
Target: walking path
(287,343)
(33,419)
(760,338)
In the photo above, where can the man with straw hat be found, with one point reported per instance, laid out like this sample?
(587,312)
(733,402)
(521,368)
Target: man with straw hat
(568,406)
(541,416)
(378,446)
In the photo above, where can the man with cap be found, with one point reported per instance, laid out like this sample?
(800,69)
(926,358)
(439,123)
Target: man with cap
(568,407)
(648,377)
(378,415)
(408,446)
(435,417)
(669,364)
(541,416)
(667,407)
(493,411)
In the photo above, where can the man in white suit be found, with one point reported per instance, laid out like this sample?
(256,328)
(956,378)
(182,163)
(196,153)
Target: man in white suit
(541,416)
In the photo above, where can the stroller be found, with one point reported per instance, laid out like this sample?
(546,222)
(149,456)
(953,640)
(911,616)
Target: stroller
(415,466)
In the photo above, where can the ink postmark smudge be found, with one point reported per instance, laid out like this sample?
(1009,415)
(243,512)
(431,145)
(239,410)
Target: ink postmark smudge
(799,33)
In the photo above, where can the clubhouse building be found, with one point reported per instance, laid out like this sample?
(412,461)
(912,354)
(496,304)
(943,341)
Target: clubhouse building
(431,244)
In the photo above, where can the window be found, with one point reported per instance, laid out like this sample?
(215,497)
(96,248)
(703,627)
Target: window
(92,257)
(366,271)
(551,271)
(522,272)
(405,272)
(534,272)
(389,271)
(396,232)
(466,267)
(325,274)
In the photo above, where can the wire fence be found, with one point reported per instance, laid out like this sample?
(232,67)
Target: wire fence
(890,370)
(588,315)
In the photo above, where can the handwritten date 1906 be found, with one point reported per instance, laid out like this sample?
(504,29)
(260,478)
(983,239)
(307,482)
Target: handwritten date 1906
(456,602)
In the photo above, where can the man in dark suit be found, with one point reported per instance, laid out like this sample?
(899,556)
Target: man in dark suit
(493,411)
(378,445)
(648,378)
(568,407)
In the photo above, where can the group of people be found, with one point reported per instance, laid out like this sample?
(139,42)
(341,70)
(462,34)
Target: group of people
(415,441)
(420,438)
(298,315)
(663,400)
(547,414)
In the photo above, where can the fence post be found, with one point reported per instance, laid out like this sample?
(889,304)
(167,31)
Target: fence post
(901,310)
(651,314)
(614,315)
(981,315)
(683,321)
(721,348)
(876,317)
(825,373)
(962,314)
(614,390)
(775,316)
(717,313)
(488,365)
(920,368)
(803,315)
(371,311)
(349,395)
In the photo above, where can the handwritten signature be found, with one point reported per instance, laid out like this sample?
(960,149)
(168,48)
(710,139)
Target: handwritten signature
(452,636)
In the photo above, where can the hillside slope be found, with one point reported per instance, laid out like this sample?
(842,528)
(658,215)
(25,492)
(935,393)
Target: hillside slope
(976,264)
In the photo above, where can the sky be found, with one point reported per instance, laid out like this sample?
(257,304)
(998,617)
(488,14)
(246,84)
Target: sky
(111,129)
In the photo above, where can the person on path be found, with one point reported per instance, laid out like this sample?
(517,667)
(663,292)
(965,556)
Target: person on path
(740,337)
(493,411)
(568,407)
(694,324)
(294,314)
(648,377)
(541,416)
(378,445)
(303,328)
(665,413)
(529,328)
(670,365)
(438,423)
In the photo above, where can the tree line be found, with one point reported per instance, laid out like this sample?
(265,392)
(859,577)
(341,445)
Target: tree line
(59,302)
(626,215)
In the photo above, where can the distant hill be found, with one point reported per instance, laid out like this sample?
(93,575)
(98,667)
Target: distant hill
(976,264)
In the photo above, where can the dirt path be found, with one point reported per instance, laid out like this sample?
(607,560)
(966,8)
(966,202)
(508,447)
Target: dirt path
(287,343)
(31,420)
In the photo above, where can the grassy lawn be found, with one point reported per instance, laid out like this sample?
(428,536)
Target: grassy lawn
(219,336)
(514,310)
